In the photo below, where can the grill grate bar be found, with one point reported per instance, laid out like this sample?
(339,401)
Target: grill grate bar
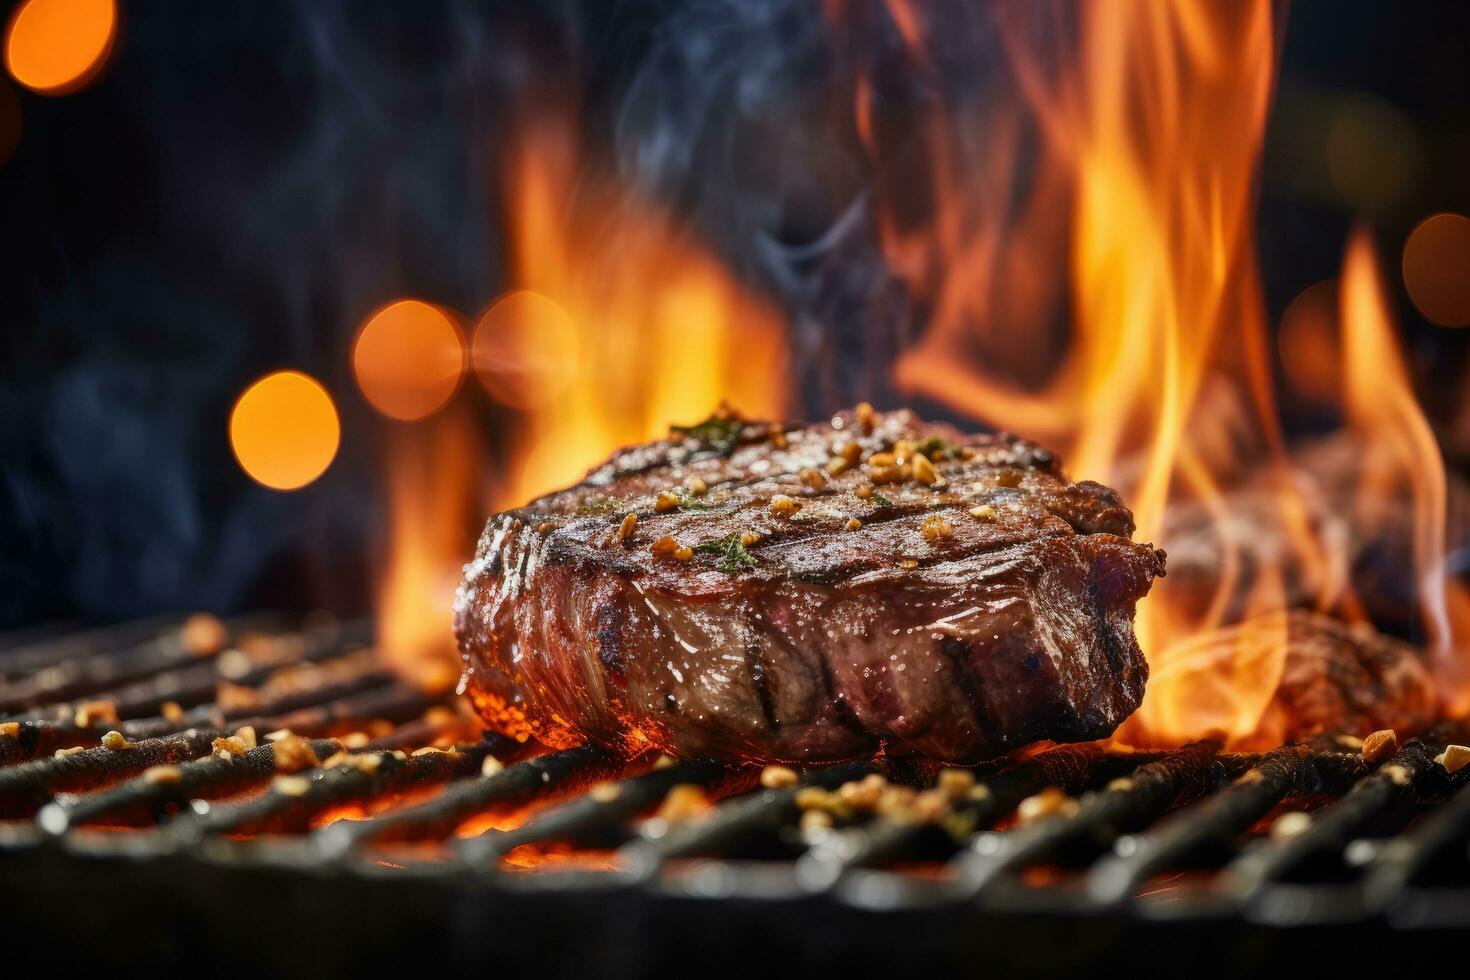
(265,714)
(133,673)
(15,641)
(1398,780)
(1216,820)
(28,786)
(145,801)
(1128,801)
(29,657)
(733,823)
(1073,769)
(439,725)
(268,677)
(602,817)
(357,778)
(195,680)
(393,703)
(544,779)
(1431,850)
(347,676)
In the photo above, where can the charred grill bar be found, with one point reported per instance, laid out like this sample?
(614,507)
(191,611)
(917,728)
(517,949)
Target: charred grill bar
(204,825)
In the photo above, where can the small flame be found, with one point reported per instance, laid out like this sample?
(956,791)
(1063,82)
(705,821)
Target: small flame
(620,326)
(1220,680)
(433,513)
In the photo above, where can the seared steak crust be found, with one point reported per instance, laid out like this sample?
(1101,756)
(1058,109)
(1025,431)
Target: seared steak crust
(921,592)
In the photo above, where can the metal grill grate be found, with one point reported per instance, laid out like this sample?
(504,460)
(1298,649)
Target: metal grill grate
(390,827)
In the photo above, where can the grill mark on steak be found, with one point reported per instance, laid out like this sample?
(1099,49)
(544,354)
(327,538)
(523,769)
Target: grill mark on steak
(755,664)
(815,642)
(610,622)
(1108,642)
(757,669)
(842,711)
(833,696)
(958,653)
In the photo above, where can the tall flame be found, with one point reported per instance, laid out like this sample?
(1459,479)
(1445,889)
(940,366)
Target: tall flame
(1160,130)
(661,332)
(1401,460)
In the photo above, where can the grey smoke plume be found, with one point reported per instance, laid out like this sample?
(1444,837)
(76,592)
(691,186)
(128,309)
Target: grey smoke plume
(743,114)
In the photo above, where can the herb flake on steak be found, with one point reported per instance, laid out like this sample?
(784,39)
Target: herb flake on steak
(790,593)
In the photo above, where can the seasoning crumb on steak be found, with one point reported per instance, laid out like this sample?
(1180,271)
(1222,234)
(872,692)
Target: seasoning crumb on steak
(931,593)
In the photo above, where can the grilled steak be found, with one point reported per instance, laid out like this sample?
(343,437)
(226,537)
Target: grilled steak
(772,592)
(1321,676)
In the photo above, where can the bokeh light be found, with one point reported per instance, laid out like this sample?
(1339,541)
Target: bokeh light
(1309,344)
(525,349)
(58,46)
(1437,269)
(408,359)
(284,430)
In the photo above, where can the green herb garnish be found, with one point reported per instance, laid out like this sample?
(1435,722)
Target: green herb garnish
(688,501)
(720,432)
(732,556)
(598,505)
(881,500)
(936,448)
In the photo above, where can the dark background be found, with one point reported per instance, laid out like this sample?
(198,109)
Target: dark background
(246,181)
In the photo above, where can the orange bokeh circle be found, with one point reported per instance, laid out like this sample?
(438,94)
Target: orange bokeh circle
(408,359)
(284,430)
(57,46)
(1437,269)
(526,349)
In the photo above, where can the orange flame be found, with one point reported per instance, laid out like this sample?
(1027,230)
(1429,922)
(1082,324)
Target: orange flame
(1401,458)
(1161,256)
(633,325)
(433,513)
(1154,140)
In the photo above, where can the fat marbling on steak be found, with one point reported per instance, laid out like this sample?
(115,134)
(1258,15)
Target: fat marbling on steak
(784,593)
